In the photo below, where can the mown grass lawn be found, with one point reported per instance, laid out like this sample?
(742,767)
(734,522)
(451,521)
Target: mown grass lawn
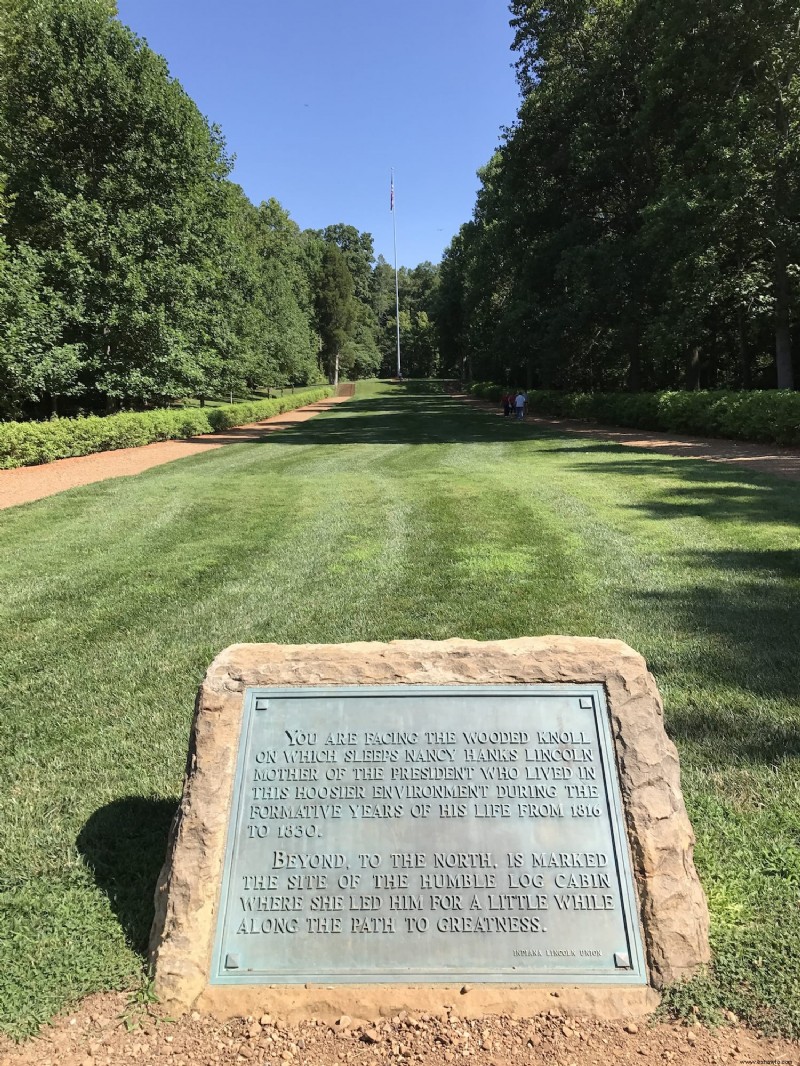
(399,514)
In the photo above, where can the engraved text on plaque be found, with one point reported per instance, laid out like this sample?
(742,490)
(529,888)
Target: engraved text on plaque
(416,834)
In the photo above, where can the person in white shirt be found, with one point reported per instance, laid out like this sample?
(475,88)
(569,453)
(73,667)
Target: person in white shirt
(519,404)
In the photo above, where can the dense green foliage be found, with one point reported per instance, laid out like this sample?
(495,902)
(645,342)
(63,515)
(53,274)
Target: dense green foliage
(401,513)
(238,414)
(132,270)
(639,227)
(769,416)
(337,307)
(29,443)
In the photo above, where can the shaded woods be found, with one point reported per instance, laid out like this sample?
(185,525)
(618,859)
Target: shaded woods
(639,226)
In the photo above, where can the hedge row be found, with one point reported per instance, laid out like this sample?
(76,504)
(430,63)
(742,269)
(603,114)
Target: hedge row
(29,443)
(772,417)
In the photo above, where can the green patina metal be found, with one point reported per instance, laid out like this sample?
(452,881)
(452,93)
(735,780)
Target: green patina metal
(427,834)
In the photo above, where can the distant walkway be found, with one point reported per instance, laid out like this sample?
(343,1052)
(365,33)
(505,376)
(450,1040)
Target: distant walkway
(27,483)
(767,459)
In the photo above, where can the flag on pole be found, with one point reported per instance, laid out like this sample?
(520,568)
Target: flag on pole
(396,282)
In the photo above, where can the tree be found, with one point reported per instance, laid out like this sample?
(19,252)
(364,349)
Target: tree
(287,296)
(132,271)
(337,309)
(731,164)
(31,363)
(114,179)
(450,313)
(358,253)
(640,225)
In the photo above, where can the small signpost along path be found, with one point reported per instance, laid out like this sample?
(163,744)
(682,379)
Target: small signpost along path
(27,483)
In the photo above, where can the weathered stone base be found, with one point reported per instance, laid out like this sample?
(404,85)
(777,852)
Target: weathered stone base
(294,1003)
(673,914)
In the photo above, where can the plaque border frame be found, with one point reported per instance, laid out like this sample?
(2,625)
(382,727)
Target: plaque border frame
(636,975)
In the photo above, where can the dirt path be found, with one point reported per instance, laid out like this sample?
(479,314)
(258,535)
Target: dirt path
(97,1035)
(27,483)
(783,462)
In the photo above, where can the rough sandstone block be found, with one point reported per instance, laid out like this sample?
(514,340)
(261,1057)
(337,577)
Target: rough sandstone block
(672,908)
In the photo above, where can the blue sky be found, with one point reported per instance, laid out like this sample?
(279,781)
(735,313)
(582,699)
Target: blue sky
(318,99)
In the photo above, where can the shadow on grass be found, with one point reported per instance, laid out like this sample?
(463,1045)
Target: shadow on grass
(406,417)
(747,628)
(124,844)
(754,739)
(739,605)
(706,490)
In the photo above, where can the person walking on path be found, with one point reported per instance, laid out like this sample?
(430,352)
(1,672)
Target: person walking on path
(519,403)
(506,402)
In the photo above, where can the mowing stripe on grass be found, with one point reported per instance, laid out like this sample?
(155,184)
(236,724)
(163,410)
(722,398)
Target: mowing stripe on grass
(400,514)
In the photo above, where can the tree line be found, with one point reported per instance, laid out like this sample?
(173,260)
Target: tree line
(639,225)
(133,271)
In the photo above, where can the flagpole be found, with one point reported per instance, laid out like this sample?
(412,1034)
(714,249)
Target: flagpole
(396,283)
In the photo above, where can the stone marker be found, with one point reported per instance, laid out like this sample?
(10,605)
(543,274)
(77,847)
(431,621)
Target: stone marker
(367,828)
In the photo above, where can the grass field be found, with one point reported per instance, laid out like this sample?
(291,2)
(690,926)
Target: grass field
(399,514)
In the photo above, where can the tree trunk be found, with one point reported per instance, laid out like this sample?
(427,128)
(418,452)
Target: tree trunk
(694,368)
(630,341)
(744,351)
(336,371)
(783,314)
(634,375)
(783,324)
(202,401)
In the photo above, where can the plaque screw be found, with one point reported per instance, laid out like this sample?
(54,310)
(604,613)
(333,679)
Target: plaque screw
(586,703)
(231,962)
(622,960)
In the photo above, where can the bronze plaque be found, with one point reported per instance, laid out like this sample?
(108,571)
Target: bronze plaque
(415,834)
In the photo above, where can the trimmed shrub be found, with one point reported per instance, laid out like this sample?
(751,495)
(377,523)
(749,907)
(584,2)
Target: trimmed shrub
(29,443)
(770,417)
(239,414)
(487,390)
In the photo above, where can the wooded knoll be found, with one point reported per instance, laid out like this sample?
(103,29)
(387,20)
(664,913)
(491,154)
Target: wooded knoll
(639,225)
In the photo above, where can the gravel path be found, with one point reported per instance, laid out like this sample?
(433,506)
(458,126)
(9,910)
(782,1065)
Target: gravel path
(27,483)
(107,1031)
(768,459)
